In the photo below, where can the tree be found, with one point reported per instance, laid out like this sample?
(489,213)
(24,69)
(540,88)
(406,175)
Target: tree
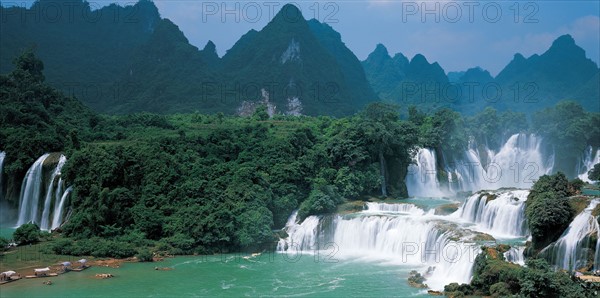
(261,113)
(548,209)
(389,141)
(594,173)
(3,244)
(570,129)
(144,255)
(27,234)
(30,64)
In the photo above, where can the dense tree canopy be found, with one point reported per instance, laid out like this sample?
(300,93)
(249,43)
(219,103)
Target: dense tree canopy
(569,129)
(189,183)
(548,210)
(594,173)
(494,276)
(27,234)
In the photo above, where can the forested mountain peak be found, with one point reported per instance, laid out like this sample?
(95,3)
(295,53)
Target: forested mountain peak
(476,74)
(298,58)
(209,54)
(380,52)
(153,67)
(210,47)
(565,44)
(419,69)
(561,72)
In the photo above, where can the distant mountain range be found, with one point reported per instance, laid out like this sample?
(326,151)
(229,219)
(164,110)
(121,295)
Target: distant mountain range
(525,84)
(130,59)
(147,64)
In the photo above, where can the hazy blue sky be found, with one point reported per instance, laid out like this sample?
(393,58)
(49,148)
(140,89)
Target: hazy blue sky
(466,33)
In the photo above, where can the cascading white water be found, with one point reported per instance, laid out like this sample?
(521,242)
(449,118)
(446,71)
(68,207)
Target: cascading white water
(515,255)
(421,179)
(31,191)
(302,237)
(501,214)
(587,163)
(570,251)
(59,208)
(397,233)
(393,208)
(53,192)
(468,172)
(2,156)
(518,163)
(34,199)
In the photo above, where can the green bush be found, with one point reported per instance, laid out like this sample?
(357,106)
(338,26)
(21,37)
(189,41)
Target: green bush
(63,246)
(113,249)
(496,277)
(594,173)
(3,244)
(548,210)
(144,255)
(500,289)
(181,244)
(96,247)
(27,234)
(320,201)
(538,280)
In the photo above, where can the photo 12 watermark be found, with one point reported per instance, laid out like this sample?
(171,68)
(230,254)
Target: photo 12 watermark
(469,11)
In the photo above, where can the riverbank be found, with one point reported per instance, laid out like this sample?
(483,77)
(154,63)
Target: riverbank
(24,259)
(230,275)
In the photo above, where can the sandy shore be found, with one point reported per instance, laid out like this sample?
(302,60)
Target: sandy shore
(56,268)
(112,263)
(590,278)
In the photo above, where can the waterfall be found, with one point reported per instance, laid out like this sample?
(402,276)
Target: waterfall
(518,163)
(397,233)
(421,180)
(2,156)
(468,173)
(394,208)
(587,162)
(515,255)
(59,209)
(497,213)
(52,194)
(571,250)
(31,191)
(45,193)
(302,237)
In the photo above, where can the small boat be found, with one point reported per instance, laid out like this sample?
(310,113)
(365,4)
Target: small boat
(79,269)
(41,272)
(8,276)
(83,266)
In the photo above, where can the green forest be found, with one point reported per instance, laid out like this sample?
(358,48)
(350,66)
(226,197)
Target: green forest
(196,183)
(282,158)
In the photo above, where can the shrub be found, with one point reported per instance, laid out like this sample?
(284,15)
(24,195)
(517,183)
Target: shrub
(62,246)
(548,210)
(27,234)
(320,201)
(500,289)
(144,255)
(538,280)
(594,173)
(3,244)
